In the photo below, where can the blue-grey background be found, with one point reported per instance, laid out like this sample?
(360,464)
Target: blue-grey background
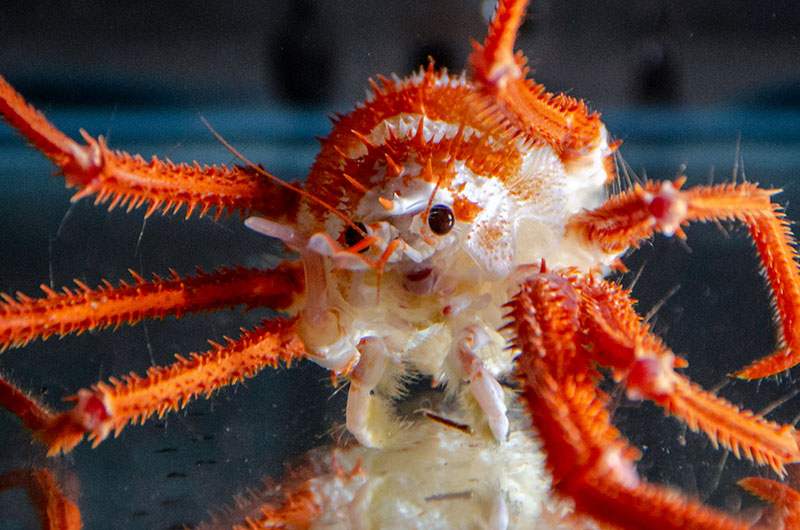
(685,84)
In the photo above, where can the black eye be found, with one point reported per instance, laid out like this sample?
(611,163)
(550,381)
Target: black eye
(441,219)
(353,236)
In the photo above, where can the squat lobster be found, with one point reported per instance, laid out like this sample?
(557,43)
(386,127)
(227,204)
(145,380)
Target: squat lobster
(445,219)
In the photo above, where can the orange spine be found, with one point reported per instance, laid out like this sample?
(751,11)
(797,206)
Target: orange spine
(589,459)
(123,179)
(494,62)
(514,106)
(745,433)
(776,245)
(82,309)
(32,124)
(624,221)
(627,219)
(110,406)
(647,366)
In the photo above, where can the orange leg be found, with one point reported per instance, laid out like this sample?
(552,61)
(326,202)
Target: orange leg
(23,319)
(589,459)
(124,179)
(562,325)
(110,406)
(645,366)
(629,218)
(55,511)
(515,105)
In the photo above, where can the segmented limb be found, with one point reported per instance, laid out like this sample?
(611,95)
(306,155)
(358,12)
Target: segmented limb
(494,63)
(84,309)
(645,366)
(110,406)
(785,502)
(130,180)
(629,218)
(362,405)
(589,459)
(54,510)
(518,107)
(482,384)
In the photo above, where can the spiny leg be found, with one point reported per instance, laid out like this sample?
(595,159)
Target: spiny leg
(54,510)
(85,309)
(589,459)
(627,219)
(110,406)
(515,106)
(107,407)
(125,179)
(494,63)
(645,366)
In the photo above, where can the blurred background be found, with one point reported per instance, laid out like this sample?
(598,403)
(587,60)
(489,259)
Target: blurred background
(320,52)
(707,88)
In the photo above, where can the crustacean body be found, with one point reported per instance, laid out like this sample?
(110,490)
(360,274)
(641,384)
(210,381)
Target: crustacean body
(456,227)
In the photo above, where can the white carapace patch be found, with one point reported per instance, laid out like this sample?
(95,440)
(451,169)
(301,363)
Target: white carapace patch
(494,239)
(435,307)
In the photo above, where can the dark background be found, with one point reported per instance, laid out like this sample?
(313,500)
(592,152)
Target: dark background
(687,85)
(189,53)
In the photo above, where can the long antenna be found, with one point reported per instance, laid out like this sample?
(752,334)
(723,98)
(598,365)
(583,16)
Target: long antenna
(261,171)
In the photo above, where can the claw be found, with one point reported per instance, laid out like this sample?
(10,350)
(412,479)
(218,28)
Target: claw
(483,385)
(362,406)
